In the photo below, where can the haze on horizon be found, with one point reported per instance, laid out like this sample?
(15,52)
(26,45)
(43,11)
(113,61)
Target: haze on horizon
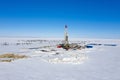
(47,18)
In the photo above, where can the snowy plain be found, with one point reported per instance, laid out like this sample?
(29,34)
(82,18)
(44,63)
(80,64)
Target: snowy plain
(100,62)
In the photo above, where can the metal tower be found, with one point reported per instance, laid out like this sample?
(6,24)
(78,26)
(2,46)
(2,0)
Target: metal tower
(66,43)
(66,35)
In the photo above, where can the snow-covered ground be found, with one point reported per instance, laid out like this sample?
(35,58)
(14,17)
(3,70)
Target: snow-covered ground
(46,62)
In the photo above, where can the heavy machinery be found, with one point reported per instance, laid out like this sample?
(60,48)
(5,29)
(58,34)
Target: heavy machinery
(65,45)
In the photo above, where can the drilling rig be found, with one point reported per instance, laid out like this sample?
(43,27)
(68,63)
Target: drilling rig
(65,44)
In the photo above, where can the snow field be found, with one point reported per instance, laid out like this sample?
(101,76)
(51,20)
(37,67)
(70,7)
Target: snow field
(100,63)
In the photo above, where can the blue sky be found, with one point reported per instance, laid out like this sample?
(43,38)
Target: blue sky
(46,18)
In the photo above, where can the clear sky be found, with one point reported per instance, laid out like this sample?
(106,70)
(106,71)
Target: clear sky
(46,18)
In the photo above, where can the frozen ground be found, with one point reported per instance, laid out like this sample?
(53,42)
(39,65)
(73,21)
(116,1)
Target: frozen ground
(99,63)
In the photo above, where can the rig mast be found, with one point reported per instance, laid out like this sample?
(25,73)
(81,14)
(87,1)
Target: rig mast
(66,42)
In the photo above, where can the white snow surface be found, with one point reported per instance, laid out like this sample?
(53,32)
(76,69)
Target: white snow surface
(98,63)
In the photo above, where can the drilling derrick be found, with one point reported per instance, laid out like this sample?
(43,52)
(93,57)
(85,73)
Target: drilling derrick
(66,43)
